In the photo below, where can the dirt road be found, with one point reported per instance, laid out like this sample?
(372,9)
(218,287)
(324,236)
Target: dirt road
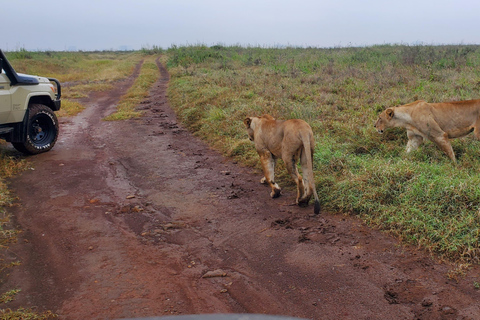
(139,218)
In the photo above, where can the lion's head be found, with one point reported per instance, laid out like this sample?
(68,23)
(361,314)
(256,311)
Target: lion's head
(252,122)
(248,125)
(384,120)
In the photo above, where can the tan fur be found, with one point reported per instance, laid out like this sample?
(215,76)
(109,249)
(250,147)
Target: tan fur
(289,140)
(437,122)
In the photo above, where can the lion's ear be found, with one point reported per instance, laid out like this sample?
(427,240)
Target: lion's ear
(389,112)
(247,122)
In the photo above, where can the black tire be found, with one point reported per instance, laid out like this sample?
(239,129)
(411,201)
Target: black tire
(41,131)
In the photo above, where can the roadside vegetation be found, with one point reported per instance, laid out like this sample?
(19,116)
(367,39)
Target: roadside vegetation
(422,198)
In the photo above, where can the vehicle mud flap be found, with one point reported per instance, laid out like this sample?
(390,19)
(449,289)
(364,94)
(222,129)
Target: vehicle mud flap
(19,133)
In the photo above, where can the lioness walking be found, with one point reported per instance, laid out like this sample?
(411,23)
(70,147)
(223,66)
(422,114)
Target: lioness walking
(290,140)
(437,122)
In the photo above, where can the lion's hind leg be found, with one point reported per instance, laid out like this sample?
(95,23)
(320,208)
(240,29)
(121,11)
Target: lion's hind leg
(444,144)
(476,129)
(308,187)
(291,165)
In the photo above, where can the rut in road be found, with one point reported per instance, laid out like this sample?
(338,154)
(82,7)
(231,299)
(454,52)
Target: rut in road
(124,219)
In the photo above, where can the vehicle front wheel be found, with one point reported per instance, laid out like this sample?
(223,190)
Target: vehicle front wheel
(42,130)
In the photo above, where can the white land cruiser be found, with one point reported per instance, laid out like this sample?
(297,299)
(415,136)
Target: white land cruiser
(27,105)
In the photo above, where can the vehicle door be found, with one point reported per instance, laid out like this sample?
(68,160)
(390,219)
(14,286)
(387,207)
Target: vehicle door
(5,97)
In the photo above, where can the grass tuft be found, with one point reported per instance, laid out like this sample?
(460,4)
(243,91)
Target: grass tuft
(8,296)
(25,314)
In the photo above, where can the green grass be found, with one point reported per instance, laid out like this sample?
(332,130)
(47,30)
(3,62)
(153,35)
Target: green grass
(422,198)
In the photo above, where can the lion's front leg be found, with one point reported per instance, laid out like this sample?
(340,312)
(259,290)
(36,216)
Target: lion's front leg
(268,164)
(414,141)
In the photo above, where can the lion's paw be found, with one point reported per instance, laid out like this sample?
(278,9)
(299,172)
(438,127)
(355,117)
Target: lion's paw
(275,193)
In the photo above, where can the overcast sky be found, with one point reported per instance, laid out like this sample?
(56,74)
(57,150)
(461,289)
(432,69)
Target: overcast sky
(135,24)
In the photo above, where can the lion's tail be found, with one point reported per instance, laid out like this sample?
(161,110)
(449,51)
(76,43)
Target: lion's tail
(308,145)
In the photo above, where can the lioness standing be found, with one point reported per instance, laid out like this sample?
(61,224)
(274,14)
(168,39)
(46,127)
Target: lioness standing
(290,140)
(437,122)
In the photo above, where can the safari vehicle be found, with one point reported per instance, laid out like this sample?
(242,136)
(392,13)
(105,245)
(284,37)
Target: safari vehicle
(27,105)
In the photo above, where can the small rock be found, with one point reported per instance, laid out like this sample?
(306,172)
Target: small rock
(168,226)
(427,302)
(137,209)
(233,195)
(448,310)
(215,273)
